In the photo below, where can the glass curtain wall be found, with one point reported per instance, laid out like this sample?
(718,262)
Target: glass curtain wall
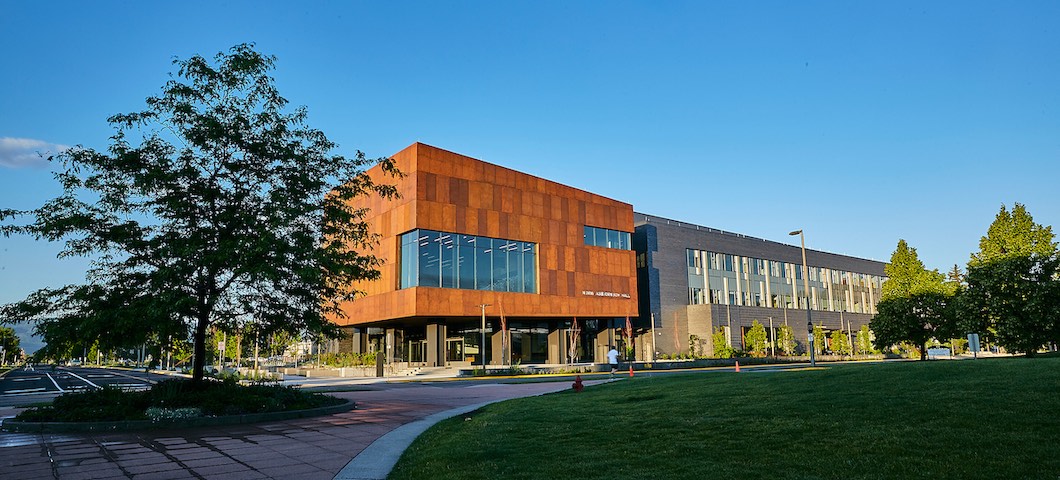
(470,262)
(721,278)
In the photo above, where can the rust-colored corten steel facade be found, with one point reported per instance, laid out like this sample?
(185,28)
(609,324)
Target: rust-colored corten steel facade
(555,274)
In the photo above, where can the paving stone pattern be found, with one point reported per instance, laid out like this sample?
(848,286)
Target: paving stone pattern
(310,448)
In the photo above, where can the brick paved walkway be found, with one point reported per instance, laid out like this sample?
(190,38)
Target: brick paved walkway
(313,448)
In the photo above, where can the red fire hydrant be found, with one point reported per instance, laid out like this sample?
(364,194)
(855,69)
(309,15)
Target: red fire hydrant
(577,385)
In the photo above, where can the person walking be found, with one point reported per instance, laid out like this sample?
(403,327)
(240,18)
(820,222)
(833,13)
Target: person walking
(612,358)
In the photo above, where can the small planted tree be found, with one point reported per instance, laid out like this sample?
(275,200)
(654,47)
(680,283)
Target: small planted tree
(819,339)
(864,340)
(840,343)
(786,340)
(722,349)
(756,339)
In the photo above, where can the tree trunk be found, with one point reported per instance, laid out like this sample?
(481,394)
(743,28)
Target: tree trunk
(199,357)
(923,352)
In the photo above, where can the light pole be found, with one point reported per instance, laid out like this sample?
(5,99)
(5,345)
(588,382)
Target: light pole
(806,291)
(482,347)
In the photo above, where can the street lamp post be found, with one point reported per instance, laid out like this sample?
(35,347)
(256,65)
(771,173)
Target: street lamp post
(482,347)
(806,292)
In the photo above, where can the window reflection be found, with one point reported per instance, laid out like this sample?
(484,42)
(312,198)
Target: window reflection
(447,260)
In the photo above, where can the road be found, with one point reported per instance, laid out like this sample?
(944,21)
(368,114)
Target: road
(42,383)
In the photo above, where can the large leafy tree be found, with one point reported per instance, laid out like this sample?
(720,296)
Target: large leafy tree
(915,318)
(906,274)
(1012,295)
(1014,301)
(215,205)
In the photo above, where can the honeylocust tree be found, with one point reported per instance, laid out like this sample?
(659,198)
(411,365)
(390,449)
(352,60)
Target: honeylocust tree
(216,204)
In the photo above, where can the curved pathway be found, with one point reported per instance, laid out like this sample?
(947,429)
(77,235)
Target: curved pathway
(311,448)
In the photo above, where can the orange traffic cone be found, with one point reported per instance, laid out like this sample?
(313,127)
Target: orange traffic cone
(737,367)
(631,369)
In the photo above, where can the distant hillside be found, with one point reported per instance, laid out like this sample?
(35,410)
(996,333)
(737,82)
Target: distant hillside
(27,340)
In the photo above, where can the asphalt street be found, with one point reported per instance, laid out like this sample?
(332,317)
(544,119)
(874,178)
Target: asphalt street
(42,383)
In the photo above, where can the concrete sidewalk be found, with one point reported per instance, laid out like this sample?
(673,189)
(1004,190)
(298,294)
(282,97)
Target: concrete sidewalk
(313,448)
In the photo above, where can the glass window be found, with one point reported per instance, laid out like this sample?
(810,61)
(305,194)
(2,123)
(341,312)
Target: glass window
(602,237)
(483,264)
(409,259)
(448,261)
(465,263)
(529,267)
(500,265)
(430,259)
(515,264)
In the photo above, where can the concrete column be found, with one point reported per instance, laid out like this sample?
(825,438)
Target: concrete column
(704,260)
(556,344)
(604,339)
(435,344)
(499,355)
(768,287)
(390,345)
(737,265)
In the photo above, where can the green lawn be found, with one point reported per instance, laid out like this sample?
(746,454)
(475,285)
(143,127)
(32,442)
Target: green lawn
(995,419)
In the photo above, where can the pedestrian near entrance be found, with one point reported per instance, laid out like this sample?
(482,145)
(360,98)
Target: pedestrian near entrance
(612,358)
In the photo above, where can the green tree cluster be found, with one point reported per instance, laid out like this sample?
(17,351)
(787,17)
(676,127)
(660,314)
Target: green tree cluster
(840,343)
(9,343)
(213,206)
(1010,294)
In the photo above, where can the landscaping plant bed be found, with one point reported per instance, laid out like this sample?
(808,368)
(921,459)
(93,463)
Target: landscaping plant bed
(175,403)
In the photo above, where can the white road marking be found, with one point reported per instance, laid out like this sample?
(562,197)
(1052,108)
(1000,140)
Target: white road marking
(99,375)
(24,379)
(55,383)
(26,390)
(83,379)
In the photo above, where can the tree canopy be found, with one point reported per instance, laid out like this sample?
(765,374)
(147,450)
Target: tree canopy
(216,205)
(9,344)
(916,318)
(1013,284)
(1014,234)
(906,274)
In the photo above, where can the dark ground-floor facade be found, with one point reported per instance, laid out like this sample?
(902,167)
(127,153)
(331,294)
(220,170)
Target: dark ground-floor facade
(463,342)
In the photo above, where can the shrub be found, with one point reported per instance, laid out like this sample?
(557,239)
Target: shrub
(175,398)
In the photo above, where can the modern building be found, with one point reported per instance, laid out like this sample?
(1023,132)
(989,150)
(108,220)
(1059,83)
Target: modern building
(484,264)
(694,280)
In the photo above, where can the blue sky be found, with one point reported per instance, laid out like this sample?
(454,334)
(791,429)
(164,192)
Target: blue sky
(859,122)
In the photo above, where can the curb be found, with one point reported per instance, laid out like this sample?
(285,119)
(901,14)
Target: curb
(377,459)
(73,427)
